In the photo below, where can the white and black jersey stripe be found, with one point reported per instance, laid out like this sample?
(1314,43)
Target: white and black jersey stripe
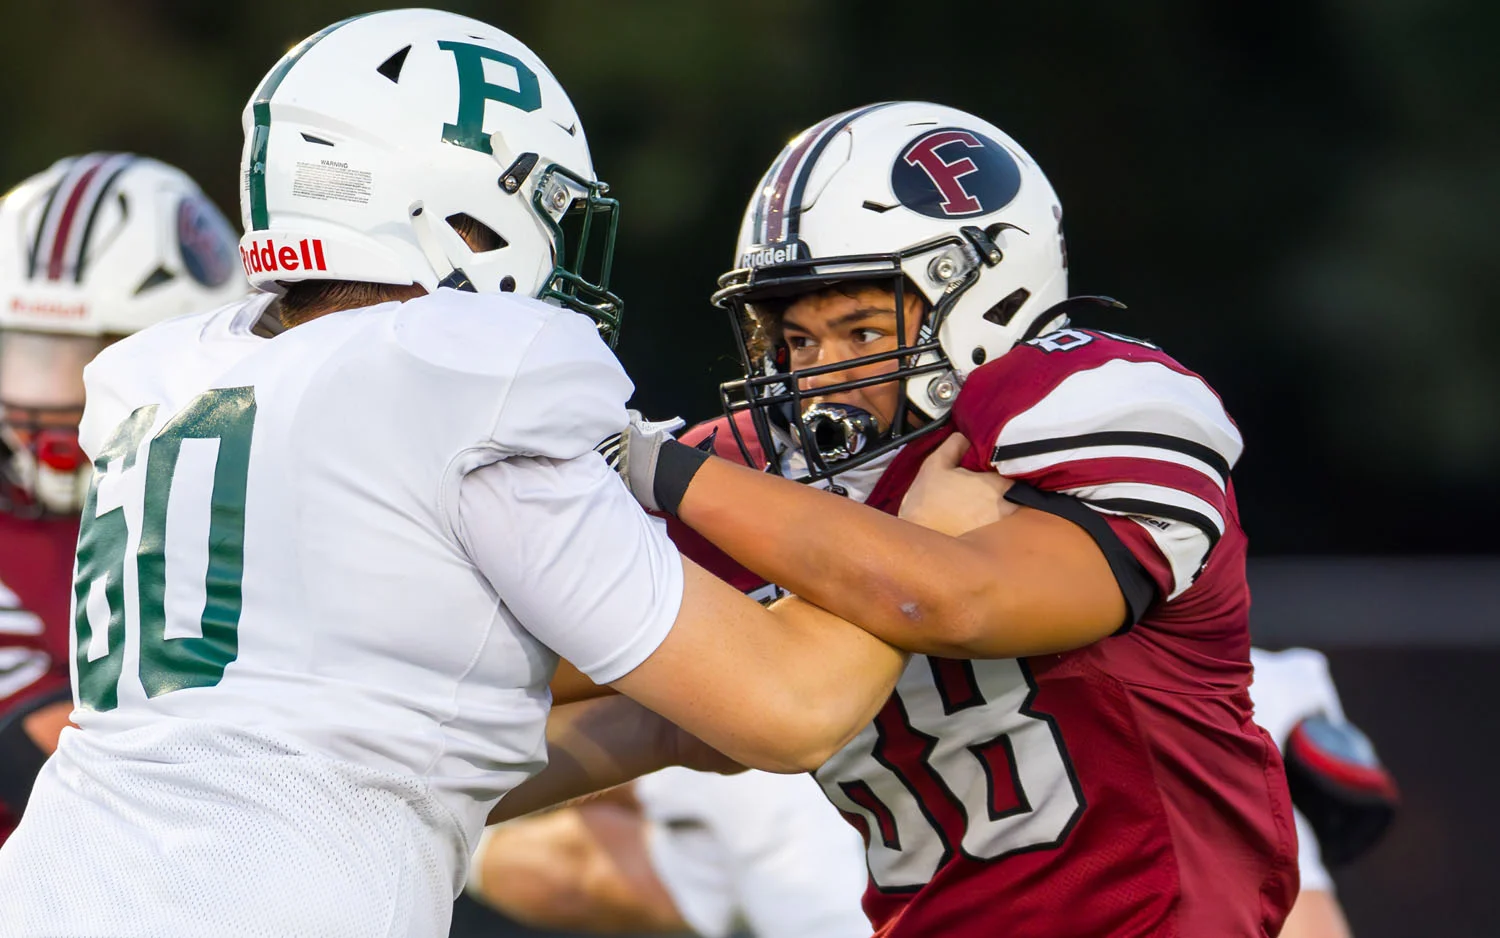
(1136,439)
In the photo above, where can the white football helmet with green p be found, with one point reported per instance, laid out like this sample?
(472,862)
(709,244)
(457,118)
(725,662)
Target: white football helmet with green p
(373,140)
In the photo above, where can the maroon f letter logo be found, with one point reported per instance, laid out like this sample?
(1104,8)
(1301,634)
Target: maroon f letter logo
(946,175)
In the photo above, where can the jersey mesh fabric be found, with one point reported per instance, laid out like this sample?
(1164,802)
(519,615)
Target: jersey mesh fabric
(220,833)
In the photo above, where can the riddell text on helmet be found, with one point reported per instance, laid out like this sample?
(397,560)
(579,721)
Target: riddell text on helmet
(307,255)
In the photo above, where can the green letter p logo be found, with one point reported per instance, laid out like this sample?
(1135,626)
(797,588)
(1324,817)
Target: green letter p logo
(475,91)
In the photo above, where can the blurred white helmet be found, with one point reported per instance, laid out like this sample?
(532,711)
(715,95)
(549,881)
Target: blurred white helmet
(372,139)
(913,196)
(96,247)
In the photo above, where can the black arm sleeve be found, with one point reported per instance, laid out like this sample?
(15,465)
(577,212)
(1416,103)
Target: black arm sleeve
(1135,584)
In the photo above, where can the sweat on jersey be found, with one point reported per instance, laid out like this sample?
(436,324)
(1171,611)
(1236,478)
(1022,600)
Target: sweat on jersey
(323,581)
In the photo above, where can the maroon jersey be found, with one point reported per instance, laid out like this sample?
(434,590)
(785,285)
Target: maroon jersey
(36,573)
(1119,789)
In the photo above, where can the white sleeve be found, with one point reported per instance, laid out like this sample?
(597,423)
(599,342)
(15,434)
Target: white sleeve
(575,559)
(768,849)
(1289,687)
(568,393)
(1310,866)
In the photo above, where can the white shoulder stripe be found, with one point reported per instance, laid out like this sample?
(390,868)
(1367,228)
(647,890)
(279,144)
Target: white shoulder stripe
(19,622)
(1131,396)
(1023,465)
(1140,498)
(20,668)
(1185,548)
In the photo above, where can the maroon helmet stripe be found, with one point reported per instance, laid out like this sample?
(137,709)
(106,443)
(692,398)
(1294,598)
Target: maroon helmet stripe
(780,187)
(65,221)
(783,187)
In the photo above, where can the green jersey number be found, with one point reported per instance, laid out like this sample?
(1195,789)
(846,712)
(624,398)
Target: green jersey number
(227,417)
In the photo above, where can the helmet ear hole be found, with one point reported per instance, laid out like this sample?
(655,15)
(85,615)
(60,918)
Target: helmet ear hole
(476,234)
(1002,312)
(391,67)
(156,278)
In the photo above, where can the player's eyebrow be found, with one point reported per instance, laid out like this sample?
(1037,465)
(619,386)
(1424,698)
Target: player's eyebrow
(853,316)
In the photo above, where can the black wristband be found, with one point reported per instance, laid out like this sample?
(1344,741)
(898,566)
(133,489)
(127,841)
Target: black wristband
(676,464)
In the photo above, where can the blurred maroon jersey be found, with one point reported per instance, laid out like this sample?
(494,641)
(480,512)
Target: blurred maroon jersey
(36,579)
(1120,789)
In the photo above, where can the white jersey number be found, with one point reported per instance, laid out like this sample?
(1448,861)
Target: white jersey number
(218,424)
(956,762)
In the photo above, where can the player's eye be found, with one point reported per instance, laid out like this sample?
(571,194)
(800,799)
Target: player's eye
(799,342)
(866,335)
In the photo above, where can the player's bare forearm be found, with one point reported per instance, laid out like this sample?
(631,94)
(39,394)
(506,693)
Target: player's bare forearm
(592,745)
(570,685)
(777,690)
(1029,583)
(45,724)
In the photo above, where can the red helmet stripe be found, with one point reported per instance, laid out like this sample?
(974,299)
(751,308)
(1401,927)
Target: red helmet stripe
(65,218)
(779,183)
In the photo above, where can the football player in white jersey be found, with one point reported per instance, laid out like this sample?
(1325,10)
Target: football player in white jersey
(682,851)
(338,536)
(93,248)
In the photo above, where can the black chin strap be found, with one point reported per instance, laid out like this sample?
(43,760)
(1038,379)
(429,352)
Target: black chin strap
(458,280)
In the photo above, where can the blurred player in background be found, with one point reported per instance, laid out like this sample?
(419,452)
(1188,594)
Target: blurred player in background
(1344,798)
(682,851)
(92,249)
(338,534)
(1071,750)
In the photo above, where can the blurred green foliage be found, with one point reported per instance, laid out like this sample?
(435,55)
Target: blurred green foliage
(1295,198)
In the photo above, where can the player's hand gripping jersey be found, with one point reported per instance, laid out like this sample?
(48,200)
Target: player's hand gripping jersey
(1118,789)
(320,584)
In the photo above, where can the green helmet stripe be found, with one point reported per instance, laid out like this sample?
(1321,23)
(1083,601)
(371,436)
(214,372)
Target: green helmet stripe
(260,135)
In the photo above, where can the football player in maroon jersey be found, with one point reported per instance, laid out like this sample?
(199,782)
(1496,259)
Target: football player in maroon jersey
(93,248)
(1071,750)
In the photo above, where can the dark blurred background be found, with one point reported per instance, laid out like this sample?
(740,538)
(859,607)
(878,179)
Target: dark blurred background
(1295,198)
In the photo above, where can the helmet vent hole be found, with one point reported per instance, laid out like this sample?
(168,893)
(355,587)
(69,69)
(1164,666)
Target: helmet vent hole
(1002,312)
(507,284)
(479,236)
(318,140)
(391,67)
(158,277)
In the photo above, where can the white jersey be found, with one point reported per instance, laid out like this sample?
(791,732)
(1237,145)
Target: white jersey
(1289,687)
(764,851)
(322,584)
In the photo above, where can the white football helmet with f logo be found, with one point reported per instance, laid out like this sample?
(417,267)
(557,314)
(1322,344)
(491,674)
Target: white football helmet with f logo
(910,195)
(373,139)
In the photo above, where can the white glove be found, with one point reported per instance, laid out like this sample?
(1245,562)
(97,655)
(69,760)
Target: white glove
(633,453)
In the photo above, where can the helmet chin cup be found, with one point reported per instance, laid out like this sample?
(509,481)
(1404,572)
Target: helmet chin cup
(836,432)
